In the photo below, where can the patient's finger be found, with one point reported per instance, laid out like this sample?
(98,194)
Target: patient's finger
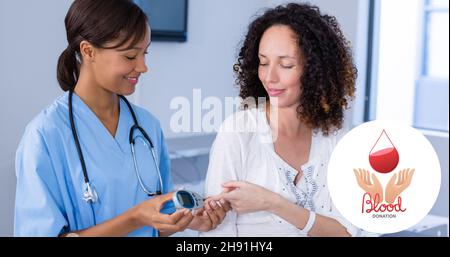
(220,212)
(214,198)
(225,205)
(224,196)
(234,184)
(208,202)
(219,196)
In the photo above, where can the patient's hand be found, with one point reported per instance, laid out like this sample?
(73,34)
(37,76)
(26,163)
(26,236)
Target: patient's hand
(210,216)
(246,197)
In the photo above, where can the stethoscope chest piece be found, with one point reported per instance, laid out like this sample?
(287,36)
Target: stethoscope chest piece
(90,194)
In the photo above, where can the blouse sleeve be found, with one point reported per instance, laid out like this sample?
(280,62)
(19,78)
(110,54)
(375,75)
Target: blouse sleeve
(334,214)
(225,164)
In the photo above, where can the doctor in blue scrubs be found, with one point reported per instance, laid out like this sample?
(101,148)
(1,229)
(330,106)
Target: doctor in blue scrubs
(91,164)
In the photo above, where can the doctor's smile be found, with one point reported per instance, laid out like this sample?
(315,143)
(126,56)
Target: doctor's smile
(132,80)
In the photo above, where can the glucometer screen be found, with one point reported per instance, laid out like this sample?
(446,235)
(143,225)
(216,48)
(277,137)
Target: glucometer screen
(185,199)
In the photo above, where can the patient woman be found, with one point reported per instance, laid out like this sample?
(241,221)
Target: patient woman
(270,161)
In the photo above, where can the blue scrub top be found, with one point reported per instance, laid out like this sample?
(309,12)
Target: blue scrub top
(50,180)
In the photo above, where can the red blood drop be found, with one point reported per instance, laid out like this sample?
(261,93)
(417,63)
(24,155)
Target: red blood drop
(384,161)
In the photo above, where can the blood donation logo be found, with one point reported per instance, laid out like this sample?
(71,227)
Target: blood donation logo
(384,177)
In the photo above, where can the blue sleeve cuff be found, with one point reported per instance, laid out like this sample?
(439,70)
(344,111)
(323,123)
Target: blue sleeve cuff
(168,208)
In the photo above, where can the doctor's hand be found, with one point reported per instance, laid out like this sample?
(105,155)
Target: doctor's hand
(148,213)
(245,197)
(210,216)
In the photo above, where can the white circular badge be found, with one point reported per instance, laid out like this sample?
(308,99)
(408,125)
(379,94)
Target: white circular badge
(384,177)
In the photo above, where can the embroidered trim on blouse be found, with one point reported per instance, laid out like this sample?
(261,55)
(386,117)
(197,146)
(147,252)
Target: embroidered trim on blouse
(306,190)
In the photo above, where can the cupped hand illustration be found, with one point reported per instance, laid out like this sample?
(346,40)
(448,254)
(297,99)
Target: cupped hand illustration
(394,189)
(364,181)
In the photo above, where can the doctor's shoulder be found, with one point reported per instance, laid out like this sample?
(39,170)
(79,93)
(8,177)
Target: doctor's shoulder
(50,121)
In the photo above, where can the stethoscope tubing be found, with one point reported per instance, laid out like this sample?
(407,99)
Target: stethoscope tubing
(90,195)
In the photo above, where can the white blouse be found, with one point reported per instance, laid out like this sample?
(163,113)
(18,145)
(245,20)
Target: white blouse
(243,150)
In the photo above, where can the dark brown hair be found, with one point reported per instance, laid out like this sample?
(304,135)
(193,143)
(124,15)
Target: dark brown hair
(328,79)
(98,22)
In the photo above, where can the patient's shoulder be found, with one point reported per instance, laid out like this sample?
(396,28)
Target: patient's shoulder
(242,121)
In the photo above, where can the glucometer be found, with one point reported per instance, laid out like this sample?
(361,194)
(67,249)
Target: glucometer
(184,199)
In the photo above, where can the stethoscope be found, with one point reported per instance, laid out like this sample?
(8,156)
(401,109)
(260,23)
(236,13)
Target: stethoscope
(90,194)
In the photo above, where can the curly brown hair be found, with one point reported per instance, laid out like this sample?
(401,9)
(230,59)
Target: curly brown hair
(329,75)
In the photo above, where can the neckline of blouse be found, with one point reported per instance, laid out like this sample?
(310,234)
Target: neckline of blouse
(266,132)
